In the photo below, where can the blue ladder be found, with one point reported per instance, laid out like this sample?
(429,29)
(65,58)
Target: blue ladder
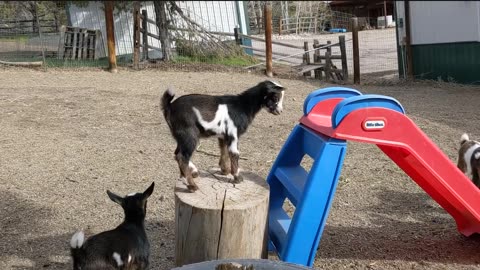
(296,239)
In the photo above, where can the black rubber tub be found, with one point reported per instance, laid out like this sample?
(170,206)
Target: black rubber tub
(256,264)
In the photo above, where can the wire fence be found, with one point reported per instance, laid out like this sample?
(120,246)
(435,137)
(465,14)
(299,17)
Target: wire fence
(67,42)
(74,35)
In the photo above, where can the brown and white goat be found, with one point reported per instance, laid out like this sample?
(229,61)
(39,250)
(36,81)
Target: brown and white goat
(126,247)
(469,158)
(195,116)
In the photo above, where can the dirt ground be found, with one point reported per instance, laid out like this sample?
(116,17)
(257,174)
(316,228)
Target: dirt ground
(68,136)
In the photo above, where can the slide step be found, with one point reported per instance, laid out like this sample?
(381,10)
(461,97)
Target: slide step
(279,223)
(293,178)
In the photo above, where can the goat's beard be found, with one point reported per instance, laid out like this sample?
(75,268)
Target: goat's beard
(274,111)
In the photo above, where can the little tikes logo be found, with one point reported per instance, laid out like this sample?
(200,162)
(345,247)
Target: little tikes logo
(376,124)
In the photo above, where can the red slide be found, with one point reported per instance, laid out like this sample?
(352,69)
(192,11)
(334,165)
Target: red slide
(381,120)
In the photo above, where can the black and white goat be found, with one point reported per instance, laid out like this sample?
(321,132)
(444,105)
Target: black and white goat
(227,117)
(469,158)
(125,247)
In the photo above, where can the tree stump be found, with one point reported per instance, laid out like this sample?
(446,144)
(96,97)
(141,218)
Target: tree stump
(221,220)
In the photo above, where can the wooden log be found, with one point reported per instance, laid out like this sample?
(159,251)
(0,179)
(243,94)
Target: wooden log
(221,220)
(24,64)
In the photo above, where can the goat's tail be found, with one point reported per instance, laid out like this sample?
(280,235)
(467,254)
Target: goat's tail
(77,251)
(167,99)
(165,104)
(464,138)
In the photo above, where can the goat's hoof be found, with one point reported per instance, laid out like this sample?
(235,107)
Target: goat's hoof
(224,171)
(192,188)
(195,174)
(237,179)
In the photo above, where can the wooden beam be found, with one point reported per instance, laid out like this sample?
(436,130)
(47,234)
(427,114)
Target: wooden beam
(268,38)
(273,53)
(112,58)
(273,42)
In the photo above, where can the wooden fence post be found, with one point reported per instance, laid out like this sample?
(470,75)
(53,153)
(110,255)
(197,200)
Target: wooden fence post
(268,38)
(136,34)
(343,55)
(145,34)
(316,59)
(356,52)
(238,40)
(112,59)
(328,61)
(306,58)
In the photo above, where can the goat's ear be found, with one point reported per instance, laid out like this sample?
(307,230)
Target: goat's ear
(273,86)
(149,191)
(114,197)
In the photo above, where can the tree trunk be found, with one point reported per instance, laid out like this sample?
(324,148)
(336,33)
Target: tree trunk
(221,220)
(162,24)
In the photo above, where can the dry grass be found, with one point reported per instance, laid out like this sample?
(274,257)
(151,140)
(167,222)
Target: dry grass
(67,136)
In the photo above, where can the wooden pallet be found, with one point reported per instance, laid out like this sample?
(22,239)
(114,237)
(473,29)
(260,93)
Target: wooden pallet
(79,43)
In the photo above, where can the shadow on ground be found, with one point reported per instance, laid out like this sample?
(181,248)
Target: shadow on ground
(21,247)
(404,226)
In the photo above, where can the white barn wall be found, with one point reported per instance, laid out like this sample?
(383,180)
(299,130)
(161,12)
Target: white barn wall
(435,22)
(218,16)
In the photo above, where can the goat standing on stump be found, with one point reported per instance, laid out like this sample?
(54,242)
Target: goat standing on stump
(191,117)
(125,247)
